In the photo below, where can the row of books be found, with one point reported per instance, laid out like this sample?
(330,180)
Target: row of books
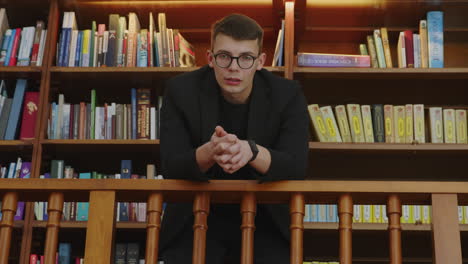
(21,46)
(23,105)
(410,214)
(138,120)
(388,123)
(414,50)
(121,45)
(320,262)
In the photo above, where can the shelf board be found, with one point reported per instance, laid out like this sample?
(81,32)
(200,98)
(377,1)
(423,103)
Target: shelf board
(18,224)
(376,73)
(16,145)
(82,224)
(99,142)
(20,72)
(124,73)
(387,147)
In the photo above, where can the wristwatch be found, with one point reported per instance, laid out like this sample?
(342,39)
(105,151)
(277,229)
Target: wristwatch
(253,148)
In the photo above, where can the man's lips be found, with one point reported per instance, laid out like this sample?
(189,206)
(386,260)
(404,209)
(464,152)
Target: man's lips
(232,81)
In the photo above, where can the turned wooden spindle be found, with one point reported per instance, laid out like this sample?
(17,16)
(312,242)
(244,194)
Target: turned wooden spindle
(296,208)
(201,210)
(154,211)
(289,40)
(9,205)
(345,213)
(248,211)
(394,228)
(54,211)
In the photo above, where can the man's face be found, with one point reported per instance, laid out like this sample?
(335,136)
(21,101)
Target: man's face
(235,82)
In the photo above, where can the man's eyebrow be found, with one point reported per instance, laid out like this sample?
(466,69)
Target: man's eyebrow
(242,53)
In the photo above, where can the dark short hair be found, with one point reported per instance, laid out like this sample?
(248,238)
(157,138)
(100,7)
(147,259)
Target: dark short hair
(238,27)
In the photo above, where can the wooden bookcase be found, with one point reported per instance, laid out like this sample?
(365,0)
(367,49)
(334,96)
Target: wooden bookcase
(311,26)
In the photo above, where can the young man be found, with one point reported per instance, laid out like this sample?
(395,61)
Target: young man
(232,120)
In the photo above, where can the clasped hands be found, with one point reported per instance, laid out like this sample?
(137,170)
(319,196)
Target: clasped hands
(229,152)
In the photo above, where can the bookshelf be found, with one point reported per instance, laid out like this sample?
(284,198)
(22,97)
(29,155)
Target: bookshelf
(311,26)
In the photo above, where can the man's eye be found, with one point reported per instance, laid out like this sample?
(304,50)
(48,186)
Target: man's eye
(223,56)
(246,58)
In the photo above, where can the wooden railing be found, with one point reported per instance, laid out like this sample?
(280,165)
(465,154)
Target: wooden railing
(103,195)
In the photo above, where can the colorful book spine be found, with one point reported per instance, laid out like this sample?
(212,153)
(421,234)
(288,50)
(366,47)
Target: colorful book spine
(332,60)
(435,38)
(379,49)
(378,122)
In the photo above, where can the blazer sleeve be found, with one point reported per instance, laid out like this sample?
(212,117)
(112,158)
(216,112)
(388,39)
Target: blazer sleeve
(289,153)
(178,159)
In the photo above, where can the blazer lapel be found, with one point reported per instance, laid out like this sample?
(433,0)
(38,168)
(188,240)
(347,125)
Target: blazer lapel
(209,105)
(259,106)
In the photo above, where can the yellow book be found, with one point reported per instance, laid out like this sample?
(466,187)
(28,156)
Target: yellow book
(449,126)
(424,48)
(399,123)
(436,125)
(355,122)
(460,123)
(405,214)
(461,218)
(342,118)
(384,214)
(417,214)
(426,214)
(367,213)
(419,126)
(388,116)
(367,123)
(333,132)
(318,123)
(357,213)
(377,214)
(386,47)
(465,214)
(409,134)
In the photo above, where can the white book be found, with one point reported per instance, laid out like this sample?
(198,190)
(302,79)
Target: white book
(318,123)
(153,123)
(460,123)
(58,130)
(330,124)
(11,170)
(436,124)
(450,135)
(367,123)
(419,126)
(66,122)
(72,52)
(355,122)
(3,22)
(417,50)
(40,54)
(17,172)
(409,124)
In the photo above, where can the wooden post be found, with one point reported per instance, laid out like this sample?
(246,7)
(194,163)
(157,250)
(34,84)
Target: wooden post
(297,227)
(445,229)
(201,210)
(345,213)
(248,211)
(154,211)
(289,40)
(9,206)
(100,230)
(394,228)
(54,210)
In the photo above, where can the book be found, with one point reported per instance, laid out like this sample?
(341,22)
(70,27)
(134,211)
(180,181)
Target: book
(423,41)
(460,122)
(30,108)
(449,126)
(435,39)
(409,48)
(332,60)
(378,122)
(386,47)
(436,125)
(401,50)
(419,126)
(399,123)
(409,124)
(342,120)
(355,122)
(15,112)
(333,132)
(372,51)
(379,48)
(367,123)
(389,130)
(318,123)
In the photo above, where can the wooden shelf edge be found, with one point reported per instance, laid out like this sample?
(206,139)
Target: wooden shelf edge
(20,69)
(360,71)
(374,226)
(94,70)
(83,224)
(99,142)
(387,146)
(16,142)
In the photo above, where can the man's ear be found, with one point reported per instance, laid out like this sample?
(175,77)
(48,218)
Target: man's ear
(261,61)
(209,58)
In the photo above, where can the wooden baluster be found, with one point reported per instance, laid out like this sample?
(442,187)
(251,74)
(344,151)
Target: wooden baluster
(54,211)
(201,210)
(394,228)
(296,208)
(100,228)
(289,40)
(445,229)
(248,211)
(345,212)
(9,206)
(154,211)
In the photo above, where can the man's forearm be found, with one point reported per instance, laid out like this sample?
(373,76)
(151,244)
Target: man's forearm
(263,161)
(204,155)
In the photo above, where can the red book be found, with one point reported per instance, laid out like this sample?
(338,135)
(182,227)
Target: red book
(409,48)
(33,259)
(30,107)
(15,47)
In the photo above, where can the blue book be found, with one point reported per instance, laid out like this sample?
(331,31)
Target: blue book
(64,253)
(79,47)
(66,46)
(19,211)
(125,169)
(82,207)
(16,106)
(435,38)
(123,212)
(156,50)
(4,49)
(281,45)
(10,47)
(134,113)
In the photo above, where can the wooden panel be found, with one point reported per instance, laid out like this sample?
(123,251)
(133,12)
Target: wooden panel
(100,231)
(446,233)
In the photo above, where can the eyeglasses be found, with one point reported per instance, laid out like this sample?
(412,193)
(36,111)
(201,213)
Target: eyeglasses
(224,60)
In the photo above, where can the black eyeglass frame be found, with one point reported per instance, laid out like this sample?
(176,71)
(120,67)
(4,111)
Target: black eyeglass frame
(232,58)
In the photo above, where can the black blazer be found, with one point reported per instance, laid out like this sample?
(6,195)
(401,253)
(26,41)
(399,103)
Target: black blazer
(277,120)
